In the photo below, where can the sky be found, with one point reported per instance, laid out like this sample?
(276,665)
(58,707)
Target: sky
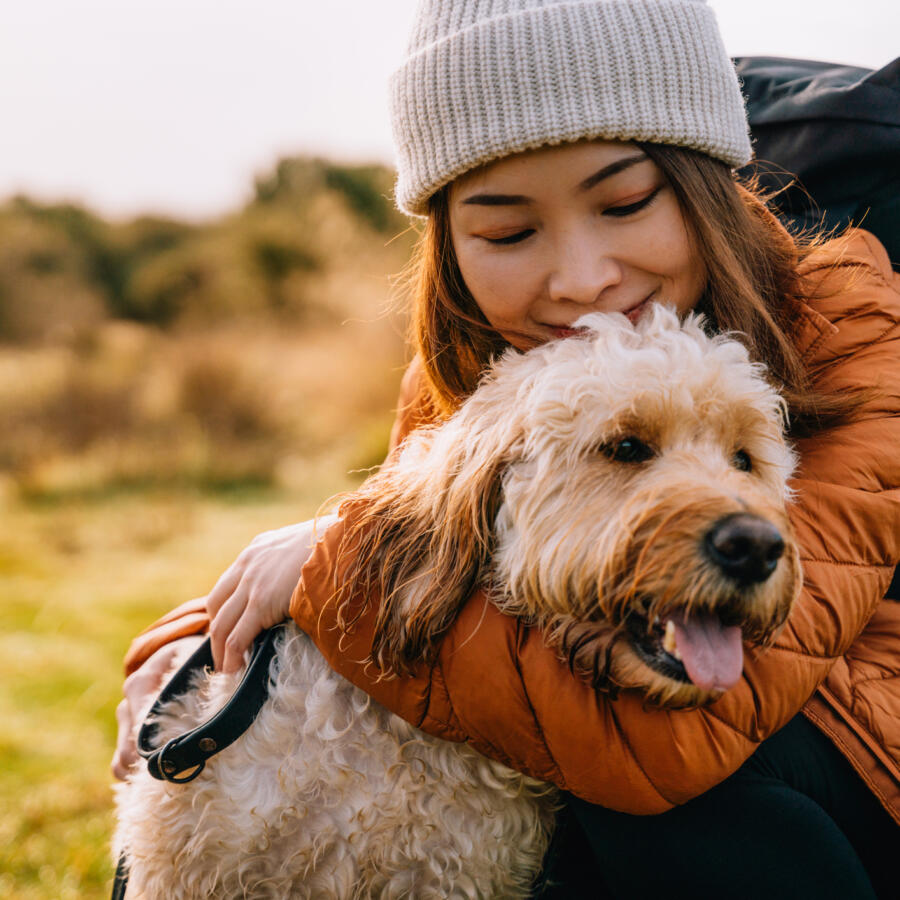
(172,106)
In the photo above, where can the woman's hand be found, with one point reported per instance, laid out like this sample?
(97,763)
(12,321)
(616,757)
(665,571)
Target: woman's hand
(141,689)
(255,591)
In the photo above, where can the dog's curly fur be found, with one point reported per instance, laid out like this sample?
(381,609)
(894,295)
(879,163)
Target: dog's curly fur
(526,490)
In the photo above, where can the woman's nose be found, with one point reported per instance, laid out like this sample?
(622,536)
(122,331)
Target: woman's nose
(581,274)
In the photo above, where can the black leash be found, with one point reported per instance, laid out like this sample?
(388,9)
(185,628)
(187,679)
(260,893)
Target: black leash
(189,752)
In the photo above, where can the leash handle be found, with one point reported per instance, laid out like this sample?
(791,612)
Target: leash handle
(189,752)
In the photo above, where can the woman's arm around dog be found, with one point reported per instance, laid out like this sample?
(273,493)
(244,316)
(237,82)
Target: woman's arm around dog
(497,686)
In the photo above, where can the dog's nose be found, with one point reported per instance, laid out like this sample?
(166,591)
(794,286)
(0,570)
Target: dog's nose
(745,547)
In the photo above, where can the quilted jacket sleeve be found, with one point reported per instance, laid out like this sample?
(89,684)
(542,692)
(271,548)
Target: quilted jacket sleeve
(499,688)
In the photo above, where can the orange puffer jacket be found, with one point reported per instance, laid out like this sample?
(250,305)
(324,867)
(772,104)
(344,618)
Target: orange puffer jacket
(497,686)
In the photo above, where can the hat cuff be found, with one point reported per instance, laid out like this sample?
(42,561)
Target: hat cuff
(645,70)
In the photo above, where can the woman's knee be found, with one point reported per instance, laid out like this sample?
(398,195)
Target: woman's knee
(747,838)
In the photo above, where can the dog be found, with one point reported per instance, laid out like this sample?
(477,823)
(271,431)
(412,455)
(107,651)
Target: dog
(624,488)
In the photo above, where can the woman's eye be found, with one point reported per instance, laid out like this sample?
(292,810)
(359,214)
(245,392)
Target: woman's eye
(512,238)
(628,450)
(630,208)
(741,461)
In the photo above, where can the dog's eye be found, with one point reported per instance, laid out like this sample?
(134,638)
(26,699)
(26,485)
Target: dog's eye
(628,450)
(741,461)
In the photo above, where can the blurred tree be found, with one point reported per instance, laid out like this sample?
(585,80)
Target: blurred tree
(47,289)
(367,189)
(63,268)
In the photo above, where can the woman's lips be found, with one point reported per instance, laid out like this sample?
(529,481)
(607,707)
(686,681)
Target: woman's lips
(563,332)
(636,312)
(633,313)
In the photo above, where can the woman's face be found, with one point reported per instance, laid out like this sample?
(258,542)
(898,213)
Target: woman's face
(545,236)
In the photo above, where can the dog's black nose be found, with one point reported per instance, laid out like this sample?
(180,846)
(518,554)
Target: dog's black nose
(745,547)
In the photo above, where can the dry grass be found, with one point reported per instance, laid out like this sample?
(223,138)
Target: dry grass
(79,578)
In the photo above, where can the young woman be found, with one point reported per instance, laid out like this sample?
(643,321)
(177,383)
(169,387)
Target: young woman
(574,157)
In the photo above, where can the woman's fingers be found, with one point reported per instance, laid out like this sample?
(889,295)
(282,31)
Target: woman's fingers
(253,593)
(239,640)
(125,753)
(141,689)
(223,623)
(224,587)
(255,590)
(147,680)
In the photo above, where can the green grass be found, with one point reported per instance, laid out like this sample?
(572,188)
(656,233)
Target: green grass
(78,578)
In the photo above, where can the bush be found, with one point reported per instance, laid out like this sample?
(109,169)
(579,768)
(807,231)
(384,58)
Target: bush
(46,289)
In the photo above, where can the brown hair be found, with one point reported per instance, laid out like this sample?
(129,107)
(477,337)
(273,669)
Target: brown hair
(752,276)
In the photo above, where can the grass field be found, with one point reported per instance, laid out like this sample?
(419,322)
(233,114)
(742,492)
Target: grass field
(165,391)
(78,578)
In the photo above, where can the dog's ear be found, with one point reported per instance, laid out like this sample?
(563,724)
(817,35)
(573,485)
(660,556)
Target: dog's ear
(420,534)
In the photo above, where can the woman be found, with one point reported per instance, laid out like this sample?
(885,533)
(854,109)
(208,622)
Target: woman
(575,157)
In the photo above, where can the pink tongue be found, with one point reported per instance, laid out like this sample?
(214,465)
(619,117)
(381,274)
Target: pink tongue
(711,653)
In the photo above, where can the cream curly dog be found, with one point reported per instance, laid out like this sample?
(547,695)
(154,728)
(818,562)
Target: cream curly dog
(625,488)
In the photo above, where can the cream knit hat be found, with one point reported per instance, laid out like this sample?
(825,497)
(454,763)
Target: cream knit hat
(487,78)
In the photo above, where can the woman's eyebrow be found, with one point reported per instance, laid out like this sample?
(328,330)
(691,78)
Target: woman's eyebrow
(620,165)
(496,200)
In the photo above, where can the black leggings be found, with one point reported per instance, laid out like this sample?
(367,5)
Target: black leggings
(795,822)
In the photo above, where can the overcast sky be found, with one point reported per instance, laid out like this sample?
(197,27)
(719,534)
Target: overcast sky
(172,105)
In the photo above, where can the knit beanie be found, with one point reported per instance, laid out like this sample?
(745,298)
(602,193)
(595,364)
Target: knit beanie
(487,78)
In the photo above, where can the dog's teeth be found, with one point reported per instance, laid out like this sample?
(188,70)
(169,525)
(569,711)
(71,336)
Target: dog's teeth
(669,643)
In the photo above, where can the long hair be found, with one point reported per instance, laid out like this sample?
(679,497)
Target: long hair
(752,277)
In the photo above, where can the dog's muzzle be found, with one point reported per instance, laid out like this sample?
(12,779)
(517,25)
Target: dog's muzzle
(703,646)
(745,547)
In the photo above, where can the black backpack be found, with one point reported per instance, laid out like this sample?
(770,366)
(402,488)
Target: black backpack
(837,130)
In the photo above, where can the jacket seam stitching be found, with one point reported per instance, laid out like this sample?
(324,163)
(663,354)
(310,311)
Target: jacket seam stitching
(881,337)
(558,771)
(882,272)
(827,657)
(847,562)
(878,339)
(637,761)
(875,679)
(732,727)
(814,346)
(426,706)
(847,754)
(878,274)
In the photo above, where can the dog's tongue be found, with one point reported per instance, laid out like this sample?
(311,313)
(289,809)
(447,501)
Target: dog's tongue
(711,653)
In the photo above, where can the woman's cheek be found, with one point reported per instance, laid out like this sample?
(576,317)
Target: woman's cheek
(499,283)
(675,259)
